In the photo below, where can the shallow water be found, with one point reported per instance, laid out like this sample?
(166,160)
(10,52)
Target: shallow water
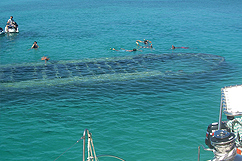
(132,110)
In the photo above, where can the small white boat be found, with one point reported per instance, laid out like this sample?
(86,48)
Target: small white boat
(11,29)
(224,137)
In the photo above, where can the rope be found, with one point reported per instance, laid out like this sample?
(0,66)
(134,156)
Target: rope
(67,149)
(111,156)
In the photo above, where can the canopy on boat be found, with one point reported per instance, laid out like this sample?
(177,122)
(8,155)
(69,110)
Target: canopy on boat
(232,100)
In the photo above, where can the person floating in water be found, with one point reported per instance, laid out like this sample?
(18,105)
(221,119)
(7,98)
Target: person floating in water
(149,46)
(124,50)
(35,45)
(146,43)
(173,47)
(45,58)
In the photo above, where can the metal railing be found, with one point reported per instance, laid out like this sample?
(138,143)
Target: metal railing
(90,148)
(206,149)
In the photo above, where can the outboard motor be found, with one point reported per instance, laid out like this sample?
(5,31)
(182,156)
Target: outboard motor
(224,146)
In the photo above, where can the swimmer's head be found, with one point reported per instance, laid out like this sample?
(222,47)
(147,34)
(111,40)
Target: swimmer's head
(145,42)
(134,49)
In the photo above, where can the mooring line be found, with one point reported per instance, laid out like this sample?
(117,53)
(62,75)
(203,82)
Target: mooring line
(67,149)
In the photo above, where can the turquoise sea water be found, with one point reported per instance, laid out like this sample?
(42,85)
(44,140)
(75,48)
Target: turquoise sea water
(145,105)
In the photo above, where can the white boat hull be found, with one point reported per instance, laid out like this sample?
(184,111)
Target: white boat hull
(11,30)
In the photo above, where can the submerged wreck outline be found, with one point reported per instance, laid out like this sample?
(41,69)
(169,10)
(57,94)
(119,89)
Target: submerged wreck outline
(102,69)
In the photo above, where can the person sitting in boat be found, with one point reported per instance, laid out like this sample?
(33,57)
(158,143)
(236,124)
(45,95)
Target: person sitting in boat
(35,45)
(235,125)
(10,23)
(173,47)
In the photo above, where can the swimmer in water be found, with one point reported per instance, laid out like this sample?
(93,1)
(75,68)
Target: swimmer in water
(131,50)
(124,50)
(173,47)
(45,58)
(147,46)
(35,45)
(146,42)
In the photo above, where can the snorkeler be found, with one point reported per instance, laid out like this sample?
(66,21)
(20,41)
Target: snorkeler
(35,45)
(173,47)
(146,42)
(131,50)
(45,58)
(124,50)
